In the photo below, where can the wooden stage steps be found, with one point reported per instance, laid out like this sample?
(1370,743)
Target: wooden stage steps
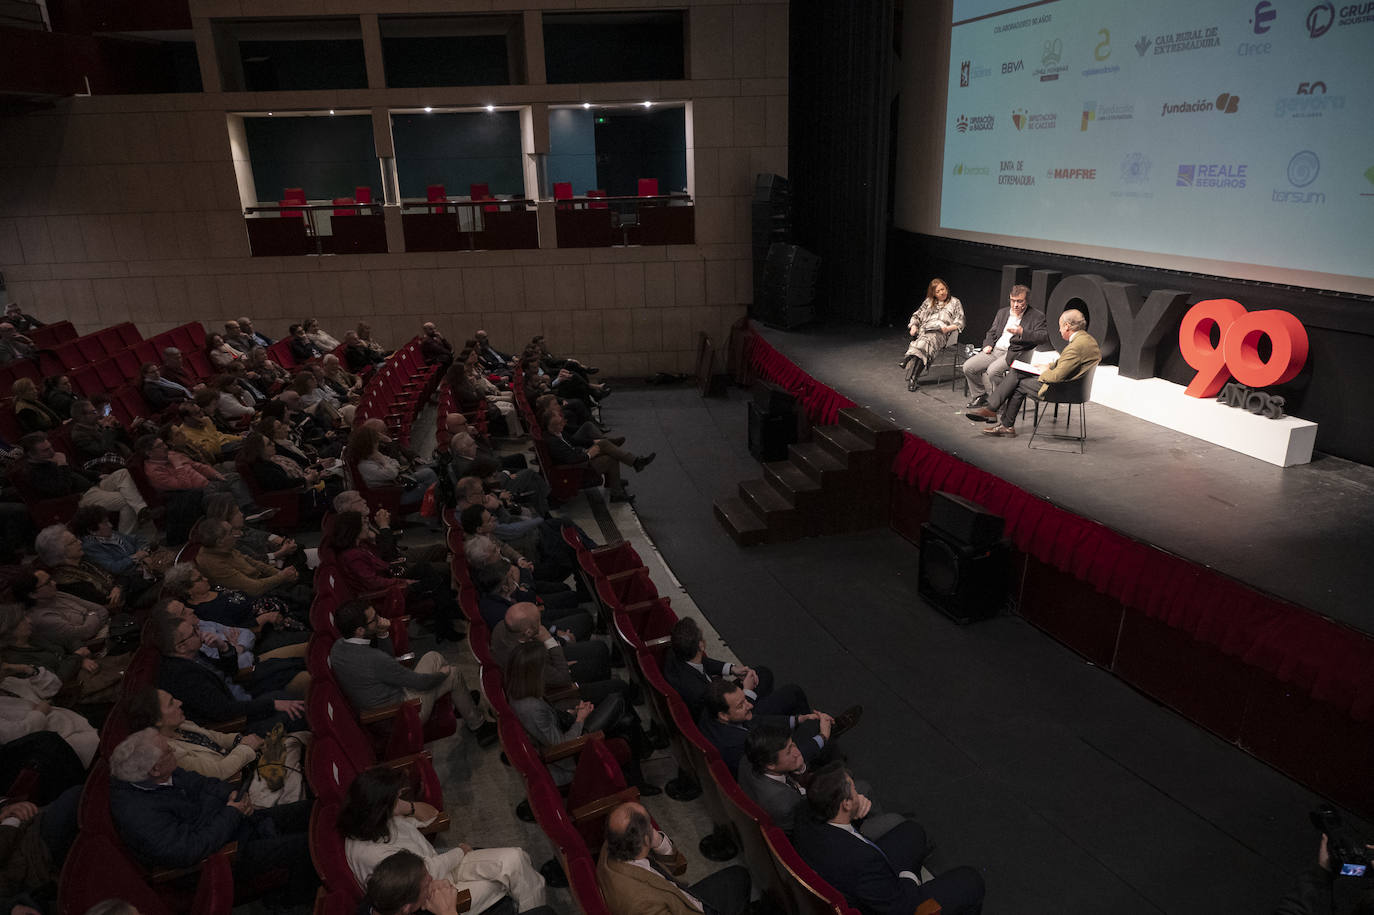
(838,482)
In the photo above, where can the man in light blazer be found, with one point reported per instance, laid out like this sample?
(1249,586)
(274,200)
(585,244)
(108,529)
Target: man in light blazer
(634,872)
(1081,354)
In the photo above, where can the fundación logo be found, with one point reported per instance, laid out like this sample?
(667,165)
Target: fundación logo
(1023,120)
(1310,101)
(1303,169)
(973,124)
(1211,176)
(1050,54)
(1117,111)
(1101,52)
(1226,103)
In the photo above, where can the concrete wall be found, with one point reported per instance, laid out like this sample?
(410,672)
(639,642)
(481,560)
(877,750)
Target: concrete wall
(122,208)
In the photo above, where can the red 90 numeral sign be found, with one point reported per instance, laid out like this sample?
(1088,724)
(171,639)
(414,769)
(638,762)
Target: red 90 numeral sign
(1238,355)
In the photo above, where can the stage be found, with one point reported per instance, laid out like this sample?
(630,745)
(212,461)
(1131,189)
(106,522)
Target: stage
(1301,533)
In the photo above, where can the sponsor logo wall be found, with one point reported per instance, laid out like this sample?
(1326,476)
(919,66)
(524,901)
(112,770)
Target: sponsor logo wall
(1261,111)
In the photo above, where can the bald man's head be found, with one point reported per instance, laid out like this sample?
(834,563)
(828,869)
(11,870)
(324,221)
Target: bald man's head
(455,422)
(628,832)
(523,619)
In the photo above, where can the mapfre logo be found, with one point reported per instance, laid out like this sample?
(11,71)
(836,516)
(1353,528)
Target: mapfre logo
(1071,174)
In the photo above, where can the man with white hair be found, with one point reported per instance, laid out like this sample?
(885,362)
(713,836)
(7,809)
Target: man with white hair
(1078,357)
(170,817)
(14,345)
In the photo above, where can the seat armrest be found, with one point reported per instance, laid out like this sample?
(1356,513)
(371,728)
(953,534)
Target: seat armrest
(568,747)
(385,712)
(168,874)
(602,806)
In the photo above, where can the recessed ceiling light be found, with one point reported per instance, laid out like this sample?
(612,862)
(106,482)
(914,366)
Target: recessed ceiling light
(428,109)
(586,104)
(648,104)
(491,107)
(331,110)
(269,114)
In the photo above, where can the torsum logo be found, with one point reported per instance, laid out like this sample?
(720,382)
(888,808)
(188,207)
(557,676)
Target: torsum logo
(1303,169)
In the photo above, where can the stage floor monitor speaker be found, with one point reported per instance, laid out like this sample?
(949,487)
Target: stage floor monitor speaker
(964,521)
(962,581)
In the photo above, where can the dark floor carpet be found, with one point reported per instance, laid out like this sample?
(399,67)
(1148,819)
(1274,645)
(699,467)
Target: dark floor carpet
(1071,792)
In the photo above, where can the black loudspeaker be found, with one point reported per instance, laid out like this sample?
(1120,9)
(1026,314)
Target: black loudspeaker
(770,434)
(773,400)
(963,582)
(784,297)
(964,521)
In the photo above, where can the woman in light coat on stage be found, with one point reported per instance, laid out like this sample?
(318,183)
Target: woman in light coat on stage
(933,326)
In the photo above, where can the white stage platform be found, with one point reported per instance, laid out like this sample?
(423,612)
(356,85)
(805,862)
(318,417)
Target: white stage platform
(1286,441)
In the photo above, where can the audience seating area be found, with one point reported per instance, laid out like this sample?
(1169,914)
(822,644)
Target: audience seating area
(348,741)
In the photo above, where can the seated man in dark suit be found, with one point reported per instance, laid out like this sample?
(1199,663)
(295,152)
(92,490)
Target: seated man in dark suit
(207,694)
(689,671)
(604,456)
(1016,330)
(727,717)
(1081,354)
(633,873)
(303,349)
(169,817)
(879,876)
(775,776)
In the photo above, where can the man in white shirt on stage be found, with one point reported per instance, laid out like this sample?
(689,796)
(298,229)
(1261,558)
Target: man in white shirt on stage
(1015,330)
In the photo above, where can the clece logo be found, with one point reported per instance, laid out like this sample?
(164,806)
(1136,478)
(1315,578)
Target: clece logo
(1071,174)
(1320,18)
(1226,103)
(1119,111)
(1303,169)
(1050,55)
(1142,45)
(1309,101)
(1192,40)
(971,171)
(1211,176)
(966,124)
(1011,173)
(963,74)
(1264,14)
